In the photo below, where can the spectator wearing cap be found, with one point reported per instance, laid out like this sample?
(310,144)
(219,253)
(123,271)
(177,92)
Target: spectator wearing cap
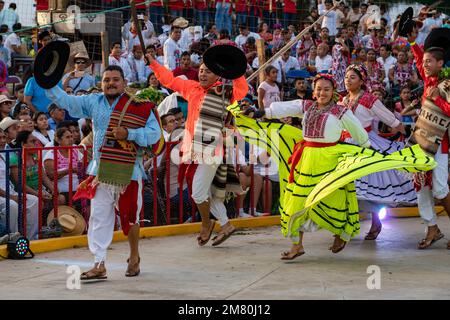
(241,39)
(6,105)
(331,18)
(9,127)
(185,68)
(172,51)
(79,78)
(57,115)
(116,59)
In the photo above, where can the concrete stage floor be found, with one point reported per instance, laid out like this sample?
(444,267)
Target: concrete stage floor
(247,266)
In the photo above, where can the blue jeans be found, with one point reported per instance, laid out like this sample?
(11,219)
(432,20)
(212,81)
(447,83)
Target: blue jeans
(288,18)
(241,18)
(156,15)
(252,22)
(202,18)
(269,18)
(223,18)
(176,13)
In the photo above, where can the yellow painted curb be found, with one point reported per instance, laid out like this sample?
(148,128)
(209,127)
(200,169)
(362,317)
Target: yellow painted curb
(47,245)
(411,212)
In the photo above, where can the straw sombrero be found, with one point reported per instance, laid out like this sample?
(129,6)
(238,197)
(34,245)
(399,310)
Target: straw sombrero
(71,221)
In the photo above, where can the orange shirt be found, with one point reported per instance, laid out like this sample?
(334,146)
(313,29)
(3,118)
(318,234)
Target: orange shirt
(194,93)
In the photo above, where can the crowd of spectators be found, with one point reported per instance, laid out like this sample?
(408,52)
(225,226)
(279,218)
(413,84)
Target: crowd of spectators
(28,119)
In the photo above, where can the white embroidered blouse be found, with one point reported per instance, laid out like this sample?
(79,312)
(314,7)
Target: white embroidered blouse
(324,126)
(369,109)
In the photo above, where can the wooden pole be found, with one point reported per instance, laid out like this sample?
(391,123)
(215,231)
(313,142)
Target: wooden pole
(105,49)
(261,57)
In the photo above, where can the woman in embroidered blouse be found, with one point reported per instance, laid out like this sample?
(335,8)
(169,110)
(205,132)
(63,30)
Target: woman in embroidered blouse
(402,73)
(320,162)
(380,188)
(63,138)
(323,123)
(41,128)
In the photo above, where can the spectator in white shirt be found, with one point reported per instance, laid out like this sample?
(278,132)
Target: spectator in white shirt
(387,61)
(130,35)
(13,42)
(324,61)
(116,59)
(172,51)
(139,71)
(285,63)
(354,15)
(241,39)
(331,19)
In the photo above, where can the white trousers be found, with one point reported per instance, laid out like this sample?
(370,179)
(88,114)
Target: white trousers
(101,222)
(201,191)
(32,215)
(425,197)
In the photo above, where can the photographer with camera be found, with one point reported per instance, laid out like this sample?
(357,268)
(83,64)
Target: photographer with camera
(79,78)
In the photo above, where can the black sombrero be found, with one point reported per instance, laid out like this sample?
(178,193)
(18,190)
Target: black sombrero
(439,38)
(226,61)
(50,63)
(407,23)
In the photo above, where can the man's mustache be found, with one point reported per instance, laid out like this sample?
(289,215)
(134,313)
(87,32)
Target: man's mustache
(111,87)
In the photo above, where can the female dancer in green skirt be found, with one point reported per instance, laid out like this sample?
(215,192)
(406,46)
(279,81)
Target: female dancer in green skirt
(316,170)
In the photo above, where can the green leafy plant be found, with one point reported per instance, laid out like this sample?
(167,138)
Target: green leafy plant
(150,94)
(445,73)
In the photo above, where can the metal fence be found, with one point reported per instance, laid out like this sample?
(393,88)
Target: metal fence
(5,156)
